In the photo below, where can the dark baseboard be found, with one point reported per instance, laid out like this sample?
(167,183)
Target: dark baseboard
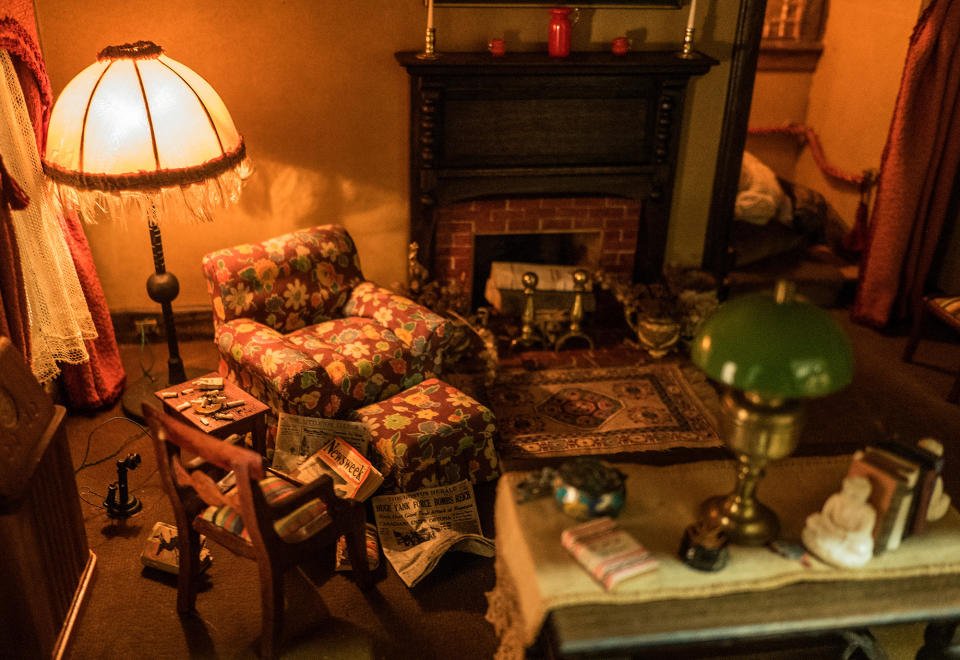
(191,325)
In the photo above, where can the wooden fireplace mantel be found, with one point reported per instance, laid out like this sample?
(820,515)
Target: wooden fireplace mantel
(527,124)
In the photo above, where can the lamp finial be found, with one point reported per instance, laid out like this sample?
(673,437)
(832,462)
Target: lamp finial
(138,50)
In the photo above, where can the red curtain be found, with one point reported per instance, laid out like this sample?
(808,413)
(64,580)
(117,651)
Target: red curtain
(98,382)
(917,173)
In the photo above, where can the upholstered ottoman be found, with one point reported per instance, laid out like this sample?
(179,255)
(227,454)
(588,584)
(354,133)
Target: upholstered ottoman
(431,434)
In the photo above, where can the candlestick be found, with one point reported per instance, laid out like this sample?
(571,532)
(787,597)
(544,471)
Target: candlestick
(430,44)
(686,50)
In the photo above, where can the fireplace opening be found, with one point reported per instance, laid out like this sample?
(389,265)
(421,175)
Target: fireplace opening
(590,232)
(566,249)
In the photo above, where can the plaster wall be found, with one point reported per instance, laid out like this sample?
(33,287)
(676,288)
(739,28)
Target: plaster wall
(848,100)
(323,106)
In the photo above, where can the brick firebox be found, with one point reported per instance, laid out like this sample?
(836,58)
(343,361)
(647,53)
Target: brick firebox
(615,219)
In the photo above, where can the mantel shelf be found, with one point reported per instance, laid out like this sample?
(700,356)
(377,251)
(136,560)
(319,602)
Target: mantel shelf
(538,63)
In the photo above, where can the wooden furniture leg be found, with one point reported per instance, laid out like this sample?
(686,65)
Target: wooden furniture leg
(189,572)
(941,641)
(919,320)
(271,594)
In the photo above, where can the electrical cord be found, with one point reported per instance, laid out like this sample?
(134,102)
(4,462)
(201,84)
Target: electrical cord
(146,371)
(83,462)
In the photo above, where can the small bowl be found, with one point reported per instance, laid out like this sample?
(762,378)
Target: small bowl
(587,488)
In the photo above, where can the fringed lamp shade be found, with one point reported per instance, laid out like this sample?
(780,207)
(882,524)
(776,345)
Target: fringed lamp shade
(137,134)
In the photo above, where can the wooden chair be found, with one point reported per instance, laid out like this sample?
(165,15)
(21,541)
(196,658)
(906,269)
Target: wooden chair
(945,308)
(269,520)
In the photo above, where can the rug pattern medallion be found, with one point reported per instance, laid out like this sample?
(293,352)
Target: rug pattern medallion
(604,410)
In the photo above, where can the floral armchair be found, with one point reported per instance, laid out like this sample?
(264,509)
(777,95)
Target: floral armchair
(298,327)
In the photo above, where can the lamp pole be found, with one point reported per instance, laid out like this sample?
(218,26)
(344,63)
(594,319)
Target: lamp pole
(163,287)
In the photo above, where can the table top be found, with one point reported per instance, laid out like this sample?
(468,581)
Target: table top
(251,405)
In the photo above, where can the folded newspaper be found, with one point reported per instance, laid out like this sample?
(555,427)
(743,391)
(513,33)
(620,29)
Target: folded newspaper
(307,447)
(418,528)
(300,437)
(353,475)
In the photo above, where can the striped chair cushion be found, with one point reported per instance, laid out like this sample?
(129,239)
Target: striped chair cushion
(946,307)
(302,523)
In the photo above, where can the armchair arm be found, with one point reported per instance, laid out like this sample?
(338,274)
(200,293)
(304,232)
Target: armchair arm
(425,332)
(278,371)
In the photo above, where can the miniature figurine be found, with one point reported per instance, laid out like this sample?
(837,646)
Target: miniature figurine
(939,500)
(704,546)
(842,533)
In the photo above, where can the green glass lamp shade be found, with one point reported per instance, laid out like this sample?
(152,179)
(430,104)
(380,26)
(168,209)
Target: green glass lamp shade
(775,345)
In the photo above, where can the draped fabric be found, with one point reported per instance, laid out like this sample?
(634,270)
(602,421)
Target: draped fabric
(99,380)
(13,301)
(917,173)
(57,314)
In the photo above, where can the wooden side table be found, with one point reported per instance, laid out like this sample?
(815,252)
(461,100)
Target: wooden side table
(250,417)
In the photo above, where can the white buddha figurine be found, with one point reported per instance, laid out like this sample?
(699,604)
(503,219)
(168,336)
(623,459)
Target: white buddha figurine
(842,533)
(939,501)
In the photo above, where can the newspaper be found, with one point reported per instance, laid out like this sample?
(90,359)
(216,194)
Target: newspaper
(353,475)
(162,550)
(416,529)
(300,437)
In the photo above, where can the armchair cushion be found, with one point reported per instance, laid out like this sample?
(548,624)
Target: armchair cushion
(298,327)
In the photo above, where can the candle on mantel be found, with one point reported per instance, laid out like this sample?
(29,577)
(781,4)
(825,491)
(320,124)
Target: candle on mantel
(691,19)
(430,14)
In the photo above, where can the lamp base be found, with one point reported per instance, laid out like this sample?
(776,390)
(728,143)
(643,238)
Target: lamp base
(142,391)
(744,522)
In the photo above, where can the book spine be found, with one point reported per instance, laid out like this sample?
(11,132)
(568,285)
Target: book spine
(887,493)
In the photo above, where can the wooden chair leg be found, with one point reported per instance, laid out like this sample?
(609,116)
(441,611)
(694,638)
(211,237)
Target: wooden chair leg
(271,597)
(954,396)
(188,574)
(919,321)
(357,546)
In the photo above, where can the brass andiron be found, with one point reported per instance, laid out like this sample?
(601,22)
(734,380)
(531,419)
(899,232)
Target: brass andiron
(530,335)
(580,278)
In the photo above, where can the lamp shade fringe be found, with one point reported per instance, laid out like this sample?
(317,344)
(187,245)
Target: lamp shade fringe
(194,202)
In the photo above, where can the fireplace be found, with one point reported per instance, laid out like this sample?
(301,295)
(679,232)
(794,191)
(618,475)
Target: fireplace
(589,232)
(527,144)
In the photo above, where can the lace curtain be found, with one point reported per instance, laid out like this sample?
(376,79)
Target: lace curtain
(59,318)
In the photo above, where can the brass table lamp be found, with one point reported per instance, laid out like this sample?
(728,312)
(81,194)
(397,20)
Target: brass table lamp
(771,352)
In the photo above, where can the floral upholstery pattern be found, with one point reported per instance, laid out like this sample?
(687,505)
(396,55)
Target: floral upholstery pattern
(429,435)
(298,327)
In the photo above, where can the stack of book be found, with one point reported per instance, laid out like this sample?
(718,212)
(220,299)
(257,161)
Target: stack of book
(902,478)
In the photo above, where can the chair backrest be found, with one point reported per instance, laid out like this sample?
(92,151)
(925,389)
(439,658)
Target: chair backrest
(288,282)
(190,492)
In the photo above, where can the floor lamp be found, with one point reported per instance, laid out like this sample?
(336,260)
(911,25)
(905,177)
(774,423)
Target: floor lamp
(139,135)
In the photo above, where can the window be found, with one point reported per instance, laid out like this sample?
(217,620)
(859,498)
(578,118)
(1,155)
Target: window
(792,33)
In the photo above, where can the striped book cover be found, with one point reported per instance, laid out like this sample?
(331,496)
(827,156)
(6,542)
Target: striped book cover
(609,553)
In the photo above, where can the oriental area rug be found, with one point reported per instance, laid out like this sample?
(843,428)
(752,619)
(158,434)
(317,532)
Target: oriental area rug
(603,410)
